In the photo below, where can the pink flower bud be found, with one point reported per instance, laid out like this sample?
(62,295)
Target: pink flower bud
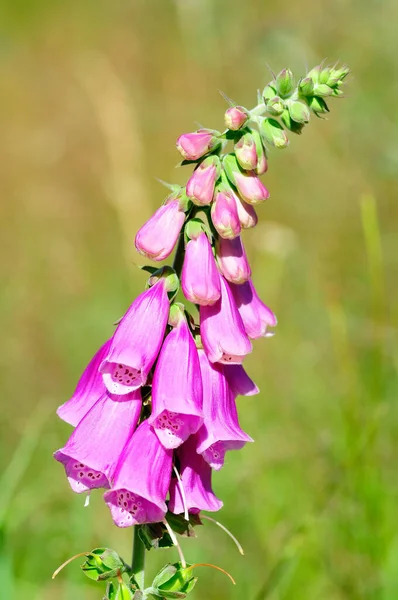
(246,213)
(221,328)
(232,260)
(200,279)
(256,316)
(157,238)
(246,152)
(248,184)
(194,145)
(235,117)
(224,214)
(200,187)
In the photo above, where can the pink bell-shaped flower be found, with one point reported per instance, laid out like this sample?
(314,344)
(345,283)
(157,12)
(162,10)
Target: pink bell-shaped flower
(200,186)
(256,316)
(232,260)
(194,145)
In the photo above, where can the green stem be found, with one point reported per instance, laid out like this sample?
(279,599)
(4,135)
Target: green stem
(138,561)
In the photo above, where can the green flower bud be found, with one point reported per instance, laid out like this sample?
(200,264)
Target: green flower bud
(315,73)
(285,83)
(324,75)
(337,92)
(290,124)
(318,105)
(103,563)
(299,112)
(273,133)
(341,73)
(323,90)
(173,581)
(269,92)
(275,106)
(306,87)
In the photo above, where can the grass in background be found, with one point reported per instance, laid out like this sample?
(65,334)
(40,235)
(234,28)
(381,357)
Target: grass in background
(93,98)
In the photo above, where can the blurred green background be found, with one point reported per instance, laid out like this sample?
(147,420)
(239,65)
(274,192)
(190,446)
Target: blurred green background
(93,96)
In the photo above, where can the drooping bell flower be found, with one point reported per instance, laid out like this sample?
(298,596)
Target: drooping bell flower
(256,316)
(220,430)
(247,183)
(235,117)
(224,213)
(177,394)
(195,475)
(194,145)
(200,186)
(92,452)
(232,260)
(200,279)
(88,391)
(137,341)
(141,480)
(239,381)
(246,213)
(223,334)
(158,236)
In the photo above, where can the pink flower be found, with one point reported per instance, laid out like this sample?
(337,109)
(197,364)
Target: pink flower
(248,184)
(245,152)
(136,342)
(235,117)
(142,480)
(256,316)
(177,394)
(194,145)
(200,186)
(222,331)
(220,430)
(93,450)
(200,279)
(88,391)
(232,260)
(239,381)
(157,238)
(224,214)
(195,475)
(246,213)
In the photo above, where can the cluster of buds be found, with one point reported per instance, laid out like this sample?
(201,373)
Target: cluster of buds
(155,410)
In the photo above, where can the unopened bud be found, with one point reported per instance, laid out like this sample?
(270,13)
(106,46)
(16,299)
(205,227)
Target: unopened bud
(174,581)
(245,152)
(285,83)
(324,75)
(200,186)
(323,90)
(318,105)
(275,106)
(194,145)
(269,92)
(314,73)
(235,117)
(273,133)
(299,112)
(262,165)
(306,87)
(290,124)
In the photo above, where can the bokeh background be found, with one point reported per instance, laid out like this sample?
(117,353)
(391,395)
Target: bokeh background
(93,96)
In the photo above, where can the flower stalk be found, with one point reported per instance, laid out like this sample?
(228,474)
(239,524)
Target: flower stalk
(155,410)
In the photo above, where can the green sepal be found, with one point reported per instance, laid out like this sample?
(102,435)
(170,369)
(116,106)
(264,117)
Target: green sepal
(230,134)
(318,106)
(174,581)
(285,83)
(102,564)
(148,268)
(111,590)
(306,87)
(124,592)
(275,106)
(269,92)
(293,126)
(181,526)
(314,73)
(299,112)
(273,133)
(171,277)
(322,90)
(324,75)
(154,535)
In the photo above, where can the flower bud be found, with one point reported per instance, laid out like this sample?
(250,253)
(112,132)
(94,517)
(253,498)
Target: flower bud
(157,237)
(235,117)
(299,112)
(200,279)
(246,213)
(306,87)
(174,581)
(246,152)
(248,184)
(324,75)
(269,92)
(323,90)
(315,73)
(200,187)
(275,106)
(290,124)
(262,165)
(232,260)
(224,213)
(285,83)
(318,106)
(273,133)
(194,145)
